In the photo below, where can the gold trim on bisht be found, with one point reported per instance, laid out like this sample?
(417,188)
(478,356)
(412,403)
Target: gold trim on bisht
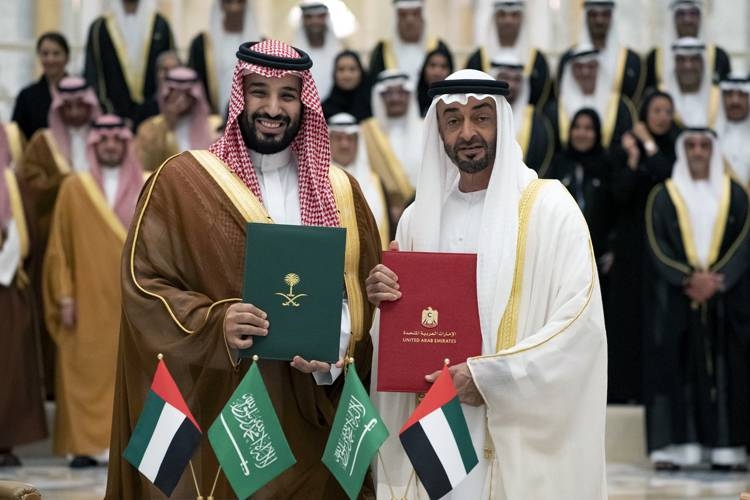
(507,331)
(96,196)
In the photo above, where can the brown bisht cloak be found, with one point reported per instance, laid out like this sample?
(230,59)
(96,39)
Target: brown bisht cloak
(43,169)
(22,418)
(82,263)
(182,268)
(156,143)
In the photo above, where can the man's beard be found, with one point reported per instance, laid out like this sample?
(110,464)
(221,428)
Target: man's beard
(475,165)
(264,145)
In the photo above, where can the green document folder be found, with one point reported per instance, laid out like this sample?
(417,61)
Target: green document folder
(296,275)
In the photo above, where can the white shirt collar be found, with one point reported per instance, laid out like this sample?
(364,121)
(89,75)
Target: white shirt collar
(269,163)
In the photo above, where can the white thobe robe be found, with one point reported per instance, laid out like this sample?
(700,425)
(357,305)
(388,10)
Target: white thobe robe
(110,183)
(371,186)
(735,146)
(322,70)
(279,186)
(133,34)
(410,57)
(693,109)
(10,253)
(402,134)
(545,397)
(225,62)
(78,158)
(182,134)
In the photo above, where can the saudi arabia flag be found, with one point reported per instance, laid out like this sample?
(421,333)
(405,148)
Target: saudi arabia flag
(166,434)
(357,433)
(437,440)
(247,437)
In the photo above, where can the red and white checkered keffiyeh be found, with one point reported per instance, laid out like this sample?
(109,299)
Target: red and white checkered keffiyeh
(70,88)
(311,145)
(130,176)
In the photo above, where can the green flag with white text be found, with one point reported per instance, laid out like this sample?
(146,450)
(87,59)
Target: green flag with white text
(356,435)
(247,437)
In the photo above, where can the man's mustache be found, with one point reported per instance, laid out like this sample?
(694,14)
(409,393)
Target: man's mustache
(474,141)
(265,116)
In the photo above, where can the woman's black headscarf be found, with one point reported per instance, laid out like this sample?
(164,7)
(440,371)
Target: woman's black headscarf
(665,142)
(590,160)
(423,87)
(356,102)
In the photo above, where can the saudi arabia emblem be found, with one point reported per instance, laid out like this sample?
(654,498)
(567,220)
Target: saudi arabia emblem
(291,281)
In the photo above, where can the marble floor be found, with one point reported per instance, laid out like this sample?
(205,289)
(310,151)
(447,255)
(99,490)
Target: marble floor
(626,482)
(56,481)
(629,475)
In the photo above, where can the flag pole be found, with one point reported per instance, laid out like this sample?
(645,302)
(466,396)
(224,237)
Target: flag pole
(349,360)
(255,359)
(195,481)
(160,357)
(213,488)
(387,479)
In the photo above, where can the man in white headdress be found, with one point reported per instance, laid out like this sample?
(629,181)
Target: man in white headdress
(55,152)
(535,399)
(505,36)
(409,44)
(315,36)
(349,151)
(733,126)
(620,67)
(164,63)
(696,376)
(686,21)
(389,136)
(185,121)
(696,98)
(121,52)
(81,287)
(583,85)
(211,54)
(534,131)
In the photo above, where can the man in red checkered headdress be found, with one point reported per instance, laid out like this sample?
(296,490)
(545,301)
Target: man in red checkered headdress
(183,265)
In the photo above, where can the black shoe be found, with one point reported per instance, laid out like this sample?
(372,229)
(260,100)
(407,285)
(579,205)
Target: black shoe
(8,459)
(666,467)
(729,468)
(83,461)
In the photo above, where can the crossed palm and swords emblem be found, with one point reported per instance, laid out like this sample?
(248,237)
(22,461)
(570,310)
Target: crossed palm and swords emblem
(291,281)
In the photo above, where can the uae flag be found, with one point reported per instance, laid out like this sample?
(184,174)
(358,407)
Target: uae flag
(166,434)
(437,440)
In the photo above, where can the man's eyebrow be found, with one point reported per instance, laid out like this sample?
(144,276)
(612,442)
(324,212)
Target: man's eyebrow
(481,105)
(258,84)
(295,89)
(452,109)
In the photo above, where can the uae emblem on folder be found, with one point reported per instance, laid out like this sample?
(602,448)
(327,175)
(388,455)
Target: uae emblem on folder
(429,317)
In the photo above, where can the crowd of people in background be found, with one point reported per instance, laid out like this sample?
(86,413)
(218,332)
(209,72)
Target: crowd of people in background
(654,148)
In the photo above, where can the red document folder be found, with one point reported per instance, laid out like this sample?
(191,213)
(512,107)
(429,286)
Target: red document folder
(437,317)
